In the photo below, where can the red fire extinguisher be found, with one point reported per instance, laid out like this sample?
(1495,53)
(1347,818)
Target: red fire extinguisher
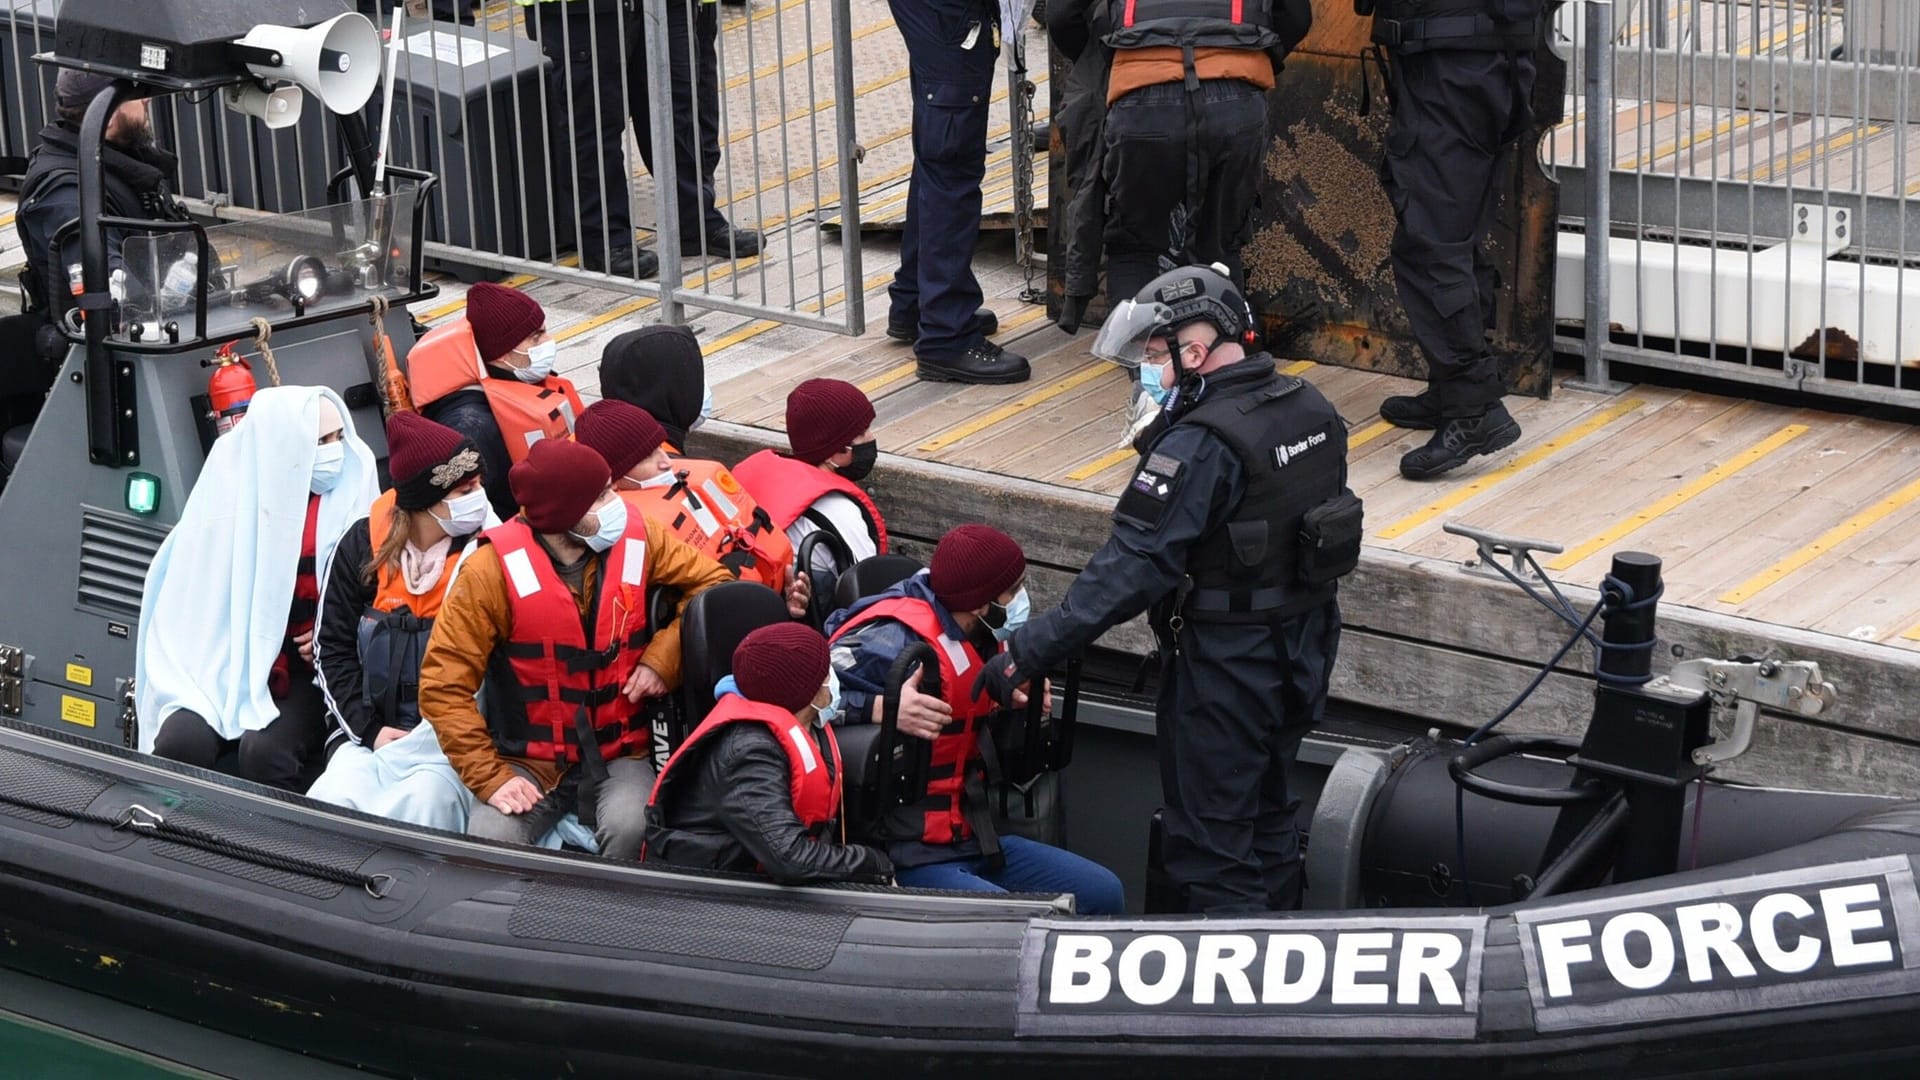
(230,389)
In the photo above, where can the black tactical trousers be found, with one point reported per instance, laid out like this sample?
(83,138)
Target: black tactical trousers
(1182,173)
(1235,702)
(1456,116)
(287,753)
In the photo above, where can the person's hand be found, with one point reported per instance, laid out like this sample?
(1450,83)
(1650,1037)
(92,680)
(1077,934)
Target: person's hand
(304,643)
(1000,679)
(387,735)
(799,597)
(1020,697)
(516,796)
(644,683)
(922,716)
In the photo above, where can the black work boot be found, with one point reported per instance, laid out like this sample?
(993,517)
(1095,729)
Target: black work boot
(1420,411)
(983,363)
(1458,440)
(905,325)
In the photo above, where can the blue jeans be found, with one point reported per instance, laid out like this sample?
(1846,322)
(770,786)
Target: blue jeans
(1030,867)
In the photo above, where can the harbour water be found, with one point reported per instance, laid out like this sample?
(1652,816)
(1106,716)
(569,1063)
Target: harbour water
(36,1051)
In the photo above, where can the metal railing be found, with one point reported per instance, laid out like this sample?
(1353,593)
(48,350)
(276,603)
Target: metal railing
(541,145)
(1755,209)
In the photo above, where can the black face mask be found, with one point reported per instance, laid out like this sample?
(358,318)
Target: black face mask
(996,616)
(864,455)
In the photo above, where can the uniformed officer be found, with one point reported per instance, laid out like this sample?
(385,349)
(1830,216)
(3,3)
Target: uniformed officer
(1462,76)
(1184,134)
(934,301)
(1233,533)
(599,82)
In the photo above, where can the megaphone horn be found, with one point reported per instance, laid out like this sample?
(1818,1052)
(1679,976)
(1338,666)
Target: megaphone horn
(339,60)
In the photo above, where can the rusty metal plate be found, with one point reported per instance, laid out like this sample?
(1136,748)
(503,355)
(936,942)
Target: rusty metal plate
(1318,271)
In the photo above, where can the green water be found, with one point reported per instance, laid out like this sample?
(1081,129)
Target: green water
(36,1051)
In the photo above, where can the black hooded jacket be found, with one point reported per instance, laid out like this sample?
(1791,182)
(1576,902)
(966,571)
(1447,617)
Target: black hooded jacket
(138,184)
(659,369)
(732,809)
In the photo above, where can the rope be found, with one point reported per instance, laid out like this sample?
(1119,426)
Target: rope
(141,819)
(262,330)
(381,361)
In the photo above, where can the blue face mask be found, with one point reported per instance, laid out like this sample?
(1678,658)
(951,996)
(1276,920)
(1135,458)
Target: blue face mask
(725,686)
(830,712)
(329,462)
(1017,611)
(1153,381)
(613,525)
(706,409)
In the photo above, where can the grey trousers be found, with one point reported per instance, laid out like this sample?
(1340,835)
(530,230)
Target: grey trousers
(622,812)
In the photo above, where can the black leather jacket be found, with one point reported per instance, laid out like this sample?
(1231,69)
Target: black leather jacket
(734,811)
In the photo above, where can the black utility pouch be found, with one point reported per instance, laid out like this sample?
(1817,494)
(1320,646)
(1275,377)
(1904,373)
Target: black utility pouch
(1330,540)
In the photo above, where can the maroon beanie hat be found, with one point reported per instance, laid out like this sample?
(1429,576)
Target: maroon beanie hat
(557,484)
(974,564)
(501,318)
(823,418)
(784,664)
(427,460)
(624,434)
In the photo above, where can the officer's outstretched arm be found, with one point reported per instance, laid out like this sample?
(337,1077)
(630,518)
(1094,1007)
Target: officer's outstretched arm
(1185,487)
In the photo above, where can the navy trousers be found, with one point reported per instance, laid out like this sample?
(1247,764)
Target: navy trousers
(1457,116)
(951,56)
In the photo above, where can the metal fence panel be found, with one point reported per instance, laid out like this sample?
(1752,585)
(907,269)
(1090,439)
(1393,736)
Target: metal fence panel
(540,119)
(1754,204)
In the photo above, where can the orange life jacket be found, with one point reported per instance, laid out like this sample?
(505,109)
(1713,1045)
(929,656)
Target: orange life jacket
(393,631)
(556,669)
(446,361)
(938,818)
(785,488)
(707,508)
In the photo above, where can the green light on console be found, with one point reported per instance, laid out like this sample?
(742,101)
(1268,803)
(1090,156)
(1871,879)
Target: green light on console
(143,492)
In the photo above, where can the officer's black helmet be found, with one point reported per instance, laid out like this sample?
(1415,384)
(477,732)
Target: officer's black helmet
(1202,293)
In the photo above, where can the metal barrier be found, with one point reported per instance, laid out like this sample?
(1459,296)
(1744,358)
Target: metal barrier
(529,115)
(1756,208)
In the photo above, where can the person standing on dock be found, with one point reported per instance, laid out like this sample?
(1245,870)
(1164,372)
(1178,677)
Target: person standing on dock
(1184,131)
(1233,535)
(1462,77)
(952,47)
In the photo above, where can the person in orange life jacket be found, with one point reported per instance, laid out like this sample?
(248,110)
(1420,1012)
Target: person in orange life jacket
(210,685)
(830,428)
(660,369)
(551,615)
(972,593)
(664,490)
(510,335)
(389,575)
(757,786)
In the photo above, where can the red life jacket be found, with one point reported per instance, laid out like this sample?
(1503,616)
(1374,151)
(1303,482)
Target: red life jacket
(785,488)
(707,508)
(814,785)
(301,613)
(445,361)
(941,818)
(555,670)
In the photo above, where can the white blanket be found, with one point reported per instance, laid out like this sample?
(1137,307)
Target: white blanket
(214,613)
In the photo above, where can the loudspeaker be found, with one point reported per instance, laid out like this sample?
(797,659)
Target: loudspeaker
(276,108)
(339,60)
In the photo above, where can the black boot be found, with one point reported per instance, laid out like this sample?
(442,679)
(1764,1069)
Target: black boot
(1417,411)
(905,326)
(983,363)
(1458,440)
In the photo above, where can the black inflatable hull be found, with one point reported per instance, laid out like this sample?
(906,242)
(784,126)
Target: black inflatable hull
(490,962)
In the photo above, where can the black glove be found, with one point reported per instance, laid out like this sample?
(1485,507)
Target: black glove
(1072,308)
(999,677)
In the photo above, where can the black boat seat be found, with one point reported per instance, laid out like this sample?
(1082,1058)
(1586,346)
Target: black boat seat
(712,625)
(13,443)
(869,577)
